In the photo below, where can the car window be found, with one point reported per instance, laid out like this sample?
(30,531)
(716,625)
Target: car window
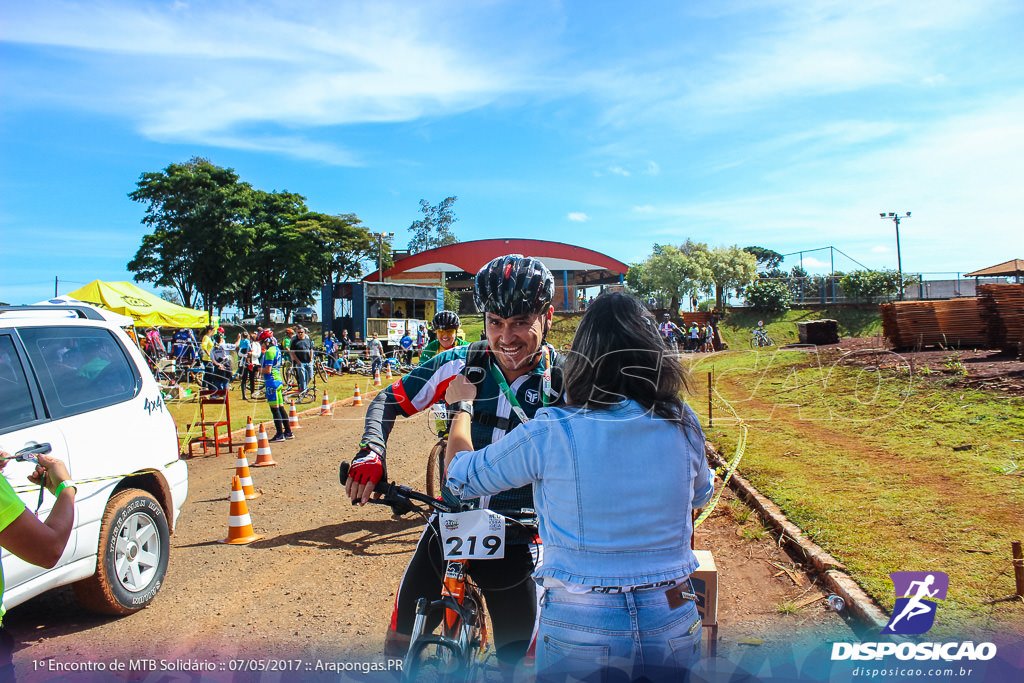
(79,368)
(16,408)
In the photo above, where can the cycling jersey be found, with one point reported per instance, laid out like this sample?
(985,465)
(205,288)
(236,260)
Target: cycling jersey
(434,347)
(667,328)
(493,413)
(272,378)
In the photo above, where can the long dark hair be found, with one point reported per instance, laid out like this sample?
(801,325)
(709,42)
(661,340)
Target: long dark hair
(618,353)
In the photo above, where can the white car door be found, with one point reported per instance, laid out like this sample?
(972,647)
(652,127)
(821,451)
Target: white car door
(23,424)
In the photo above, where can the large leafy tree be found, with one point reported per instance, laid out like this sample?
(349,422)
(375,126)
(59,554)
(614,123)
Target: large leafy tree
(767,259)
(730,268)
(283,262)
(672,272)
(343,242)
(195,210)
(435,228)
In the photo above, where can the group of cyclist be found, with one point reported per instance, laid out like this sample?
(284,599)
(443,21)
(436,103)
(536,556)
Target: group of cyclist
(616,527)
(697,338)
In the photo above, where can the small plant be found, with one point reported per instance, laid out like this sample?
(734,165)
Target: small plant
(1011,467)
(739,512)
(787,607)
(954,364)
(753,533)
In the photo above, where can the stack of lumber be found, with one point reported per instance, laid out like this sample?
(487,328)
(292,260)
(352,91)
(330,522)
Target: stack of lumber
(949,323)
(819,332)
(1003,311)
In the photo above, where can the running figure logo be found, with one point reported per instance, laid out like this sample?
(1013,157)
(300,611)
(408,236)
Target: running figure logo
(916,593)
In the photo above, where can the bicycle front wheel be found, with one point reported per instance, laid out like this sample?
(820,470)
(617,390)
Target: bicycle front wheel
(321,371)
(435,469)
(435,659)
(307,396)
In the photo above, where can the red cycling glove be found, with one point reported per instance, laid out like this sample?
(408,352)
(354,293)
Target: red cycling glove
(366,468)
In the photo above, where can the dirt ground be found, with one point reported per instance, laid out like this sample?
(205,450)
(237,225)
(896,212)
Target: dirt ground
(985,368)
(320,584)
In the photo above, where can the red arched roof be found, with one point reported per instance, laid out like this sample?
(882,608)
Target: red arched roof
(471,257)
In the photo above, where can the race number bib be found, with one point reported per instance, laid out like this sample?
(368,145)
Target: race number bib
(473,535)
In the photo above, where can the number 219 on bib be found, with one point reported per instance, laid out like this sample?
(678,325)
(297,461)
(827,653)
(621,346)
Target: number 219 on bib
(473,535)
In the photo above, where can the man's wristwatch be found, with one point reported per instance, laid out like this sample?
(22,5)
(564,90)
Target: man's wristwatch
(462,407)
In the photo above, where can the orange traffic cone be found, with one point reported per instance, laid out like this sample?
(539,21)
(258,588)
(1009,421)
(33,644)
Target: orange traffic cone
(376,378)
(242,472)
(293,417)
(240,531)
(250,436)
(263,456)
(357,400)
(390,376)
(325,405)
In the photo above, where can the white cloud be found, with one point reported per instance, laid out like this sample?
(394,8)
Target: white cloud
(646,208)
(618,170)
(652,168)
(879,249)
(578,217)
(224,74)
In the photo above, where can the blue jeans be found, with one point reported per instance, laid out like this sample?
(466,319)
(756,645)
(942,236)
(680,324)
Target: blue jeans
(616,637)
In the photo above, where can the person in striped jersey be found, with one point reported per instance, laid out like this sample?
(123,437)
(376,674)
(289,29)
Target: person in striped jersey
(516,372)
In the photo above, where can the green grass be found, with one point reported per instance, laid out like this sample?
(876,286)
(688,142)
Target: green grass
(187,411)
(862,460)
(782,327)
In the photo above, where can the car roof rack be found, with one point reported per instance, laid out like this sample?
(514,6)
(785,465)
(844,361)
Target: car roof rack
(86,312)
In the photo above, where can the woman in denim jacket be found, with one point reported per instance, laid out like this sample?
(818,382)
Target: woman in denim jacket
(616,473)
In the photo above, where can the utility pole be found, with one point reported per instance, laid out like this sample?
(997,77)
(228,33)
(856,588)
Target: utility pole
(896,218)
(381,236)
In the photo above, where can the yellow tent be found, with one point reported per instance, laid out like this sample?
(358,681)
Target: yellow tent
(148,310)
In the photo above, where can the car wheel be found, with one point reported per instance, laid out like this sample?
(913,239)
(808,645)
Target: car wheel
(132,557)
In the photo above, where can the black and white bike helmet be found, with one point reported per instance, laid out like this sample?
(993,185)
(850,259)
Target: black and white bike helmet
(513,285)
(446,320)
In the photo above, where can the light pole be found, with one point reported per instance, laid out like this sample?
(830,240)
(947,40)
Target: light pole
(381,236)
(896,218)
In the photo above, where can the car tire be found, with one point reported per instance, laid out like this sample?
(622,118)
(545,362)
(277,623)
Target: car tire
(132,556)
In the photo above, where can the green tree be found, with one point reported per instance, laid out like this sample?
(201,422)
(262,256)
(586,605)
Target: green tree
(435,228)
(283,261)
(768,296)
(767,259)
(676,272)
(343,242)
(730,268)
(195,210)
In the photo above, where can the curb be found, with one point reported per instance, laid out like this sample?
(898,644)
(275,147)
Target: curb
(309,411)
(832,571)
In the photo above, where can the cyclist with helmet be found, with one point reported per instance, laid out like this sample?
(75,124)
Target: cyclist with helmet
(668,329)
(516,373)
(446,326)
(273,384)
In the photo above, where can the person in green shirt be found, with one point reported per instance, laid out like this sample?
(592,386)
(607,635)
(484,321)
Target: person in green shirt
(446,325)
(22,534)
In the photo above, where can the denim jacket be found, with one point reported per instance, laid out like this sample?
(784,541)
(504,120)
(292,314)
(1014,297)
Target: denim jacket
(613,489)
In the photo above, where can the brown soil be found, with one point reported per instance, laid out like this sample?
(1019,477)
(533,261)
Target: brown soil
(321,582)
(986,369)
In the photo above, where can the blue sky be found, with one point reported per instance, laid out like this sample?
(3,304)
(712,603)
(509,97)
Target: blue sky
(612,125)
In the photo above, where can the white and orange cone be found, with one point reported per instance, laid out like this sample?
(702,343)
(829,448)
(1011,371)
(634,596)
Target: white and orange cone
(390,376)
(325,405)
(293,417)
(240,531)
(250,436)
(243,474)
(376,378)
(263,455)
(357,400)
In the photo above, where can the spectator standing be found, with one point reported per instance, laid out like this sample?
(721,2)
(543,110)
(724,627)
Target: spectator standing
(375,351)
(406,343)
(302,356)
(23,535)
(220,360)
(246,363)
(345,348)
(330,349)
(694,336)
(205,346)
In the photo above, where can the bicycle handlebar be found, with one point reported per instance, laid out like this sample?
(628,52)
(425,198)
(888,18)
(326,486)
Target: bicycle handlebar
(400,498)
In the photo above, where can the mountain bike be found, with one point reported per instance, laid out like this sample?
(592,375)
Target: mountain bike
(438,424)
(460,652)
(758,337)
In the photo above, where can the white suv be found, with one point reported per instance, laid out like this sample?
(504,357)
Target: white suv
(73,380)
